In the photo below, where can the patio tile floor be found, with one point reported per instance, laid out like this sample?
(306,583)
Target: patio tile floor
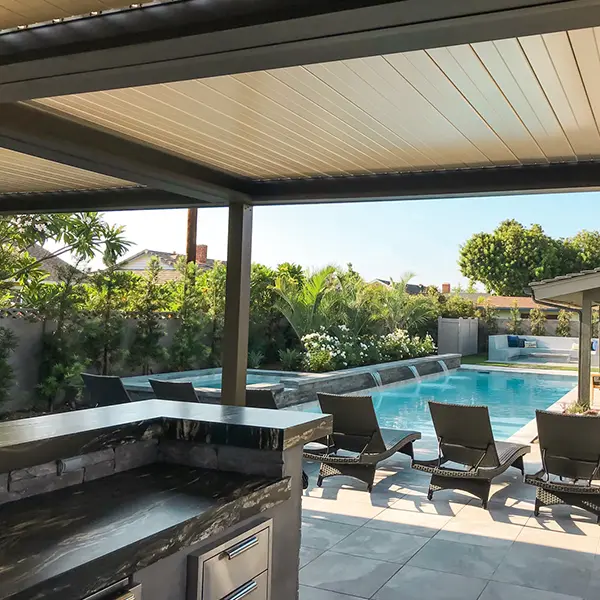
(395,544)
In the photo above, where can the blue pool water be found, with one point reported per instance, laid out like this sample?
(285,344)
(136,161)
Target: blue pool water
(512,398)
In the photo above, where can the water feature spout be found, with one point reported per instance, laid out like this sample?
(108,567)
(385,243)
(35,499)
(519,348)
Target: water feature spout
(443,365)
(376,378)
(414,371)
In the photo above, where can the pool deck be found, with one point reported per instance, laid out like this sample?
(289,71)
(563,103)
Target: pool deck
(395,544)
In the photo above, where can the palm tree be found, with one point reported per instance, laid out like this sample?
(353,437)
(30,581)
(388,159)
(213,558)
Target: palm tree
(405,311)
(301,303)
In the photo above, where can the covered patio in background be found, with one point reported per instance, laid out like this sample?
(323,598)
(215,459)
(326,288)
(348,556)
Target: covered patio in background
(577,292)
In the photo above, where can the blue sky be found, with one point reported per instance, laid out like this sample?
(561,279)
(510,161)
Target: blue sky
(383,239)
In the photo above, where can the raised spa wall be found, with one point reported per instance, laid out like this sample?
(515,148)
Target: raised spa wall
(303,387)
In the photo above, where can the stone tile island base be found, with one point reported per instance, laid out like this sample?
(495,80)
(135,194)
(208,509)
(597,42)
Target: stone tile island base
(127,493)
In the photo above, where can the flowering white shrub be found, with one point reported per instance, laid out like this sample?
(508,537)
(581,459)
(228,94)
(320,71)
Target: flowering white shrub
(326,351)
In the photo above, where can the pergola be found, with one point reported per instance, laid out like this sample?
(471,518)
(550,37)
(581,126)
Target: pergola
(577,292)
(107,105)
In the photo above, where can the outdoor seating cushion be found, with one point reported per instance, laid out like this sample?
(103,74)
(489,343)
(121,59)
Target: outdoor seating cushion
(513,341)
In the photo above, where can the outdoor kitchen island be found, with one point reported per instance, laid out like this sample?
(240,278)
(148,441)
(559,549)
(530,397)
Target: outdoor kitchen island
(154,499)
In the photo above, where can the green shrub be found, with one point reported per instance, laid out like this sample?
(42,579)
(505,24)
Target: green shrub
(8,344)
(537,321)
(515,325)
(290,359)
(255,359)
(563,328)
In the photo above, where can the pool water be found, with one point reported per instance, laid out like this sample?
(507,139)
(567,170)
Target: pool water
(512,398)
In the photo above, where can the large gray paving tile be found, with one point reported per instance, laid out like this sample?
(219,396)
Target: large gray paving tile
(310,593)
(381,545)
(341,511)
(409,522)
(308,554)
(322,534)
(484,532)
(347,574)
(547,568)
(412,583)
(463,559)
(505,591)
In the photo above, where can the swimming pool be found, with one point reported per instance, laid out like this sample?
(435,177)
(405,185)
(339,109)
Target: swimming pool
(512,398)
(214,381)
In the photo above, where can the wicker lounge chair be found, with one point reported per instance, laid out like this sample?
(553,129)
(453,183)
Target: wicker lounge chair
(356,430)
(465,437)
(105,390)
(180,391)
(570,449)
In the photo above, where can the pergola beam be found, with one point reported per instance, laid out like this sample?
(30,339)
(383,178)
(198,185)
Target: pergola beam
(133,198)
(198,39)
(39,133)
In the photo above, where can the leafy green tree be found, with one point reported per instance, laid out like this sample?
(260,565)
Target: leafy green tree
(109,292)
(63,358)
(149,300)
(188,350)
(583,250)
(292,271)
(537,321)
(300,303)
(402,310)
(563,327)
(488,314)
(515,324)
(455,306)
(8,344)
(81,235)
(508,259)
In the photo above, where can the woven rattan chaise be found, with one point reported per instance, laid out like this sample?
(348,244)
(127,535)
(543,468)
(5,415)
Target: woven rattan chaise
(180,391)
(570,449)
(105,390)
(465,437)
(356,431)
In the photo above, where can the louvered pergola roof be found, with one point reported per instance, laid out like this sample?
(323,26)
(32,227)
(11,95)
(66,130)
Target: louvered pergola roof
(515,114)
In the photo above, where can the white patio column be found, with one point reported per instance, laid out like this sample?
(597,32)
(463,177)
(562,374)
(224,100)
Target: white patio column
(585,355)
(237,305)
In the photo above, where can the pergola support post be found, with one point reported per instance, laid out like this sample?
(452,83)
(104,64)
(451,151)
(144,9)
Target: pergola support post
(585,356)
(237,305)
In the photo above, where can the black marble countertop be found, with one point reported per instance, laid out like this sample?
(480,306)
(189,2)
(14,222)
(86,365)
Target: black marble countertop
(70,543)
(27,442)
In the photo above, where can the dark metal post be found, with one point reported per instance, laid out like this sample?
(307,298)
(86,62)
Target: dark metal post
(192,234)
(237,305)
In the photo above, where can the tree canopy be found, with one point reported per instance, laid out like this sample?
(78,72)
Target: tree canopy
(506,260)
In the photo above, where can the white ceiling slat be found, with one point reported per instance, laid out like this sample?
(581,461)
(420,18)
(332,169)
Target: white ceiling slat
(556,69)
(585,46)
(429,80)
(508,65)
(422,120)
(346,82)
(24,173)
(463,67)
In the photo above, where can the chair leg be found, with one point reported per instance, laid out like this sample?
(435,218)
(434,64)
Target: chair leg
(408,450)
(304,480)
(536,508)
(478,487)
(519,464)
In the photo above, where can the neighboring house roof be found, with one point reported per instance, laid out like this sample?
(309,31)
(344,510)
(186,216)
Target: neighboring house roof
(523,302)
(411,288)
(167,258)
(53,265)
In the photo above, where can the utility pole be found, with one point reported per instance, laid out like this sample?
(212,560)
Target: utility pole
(192,232)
